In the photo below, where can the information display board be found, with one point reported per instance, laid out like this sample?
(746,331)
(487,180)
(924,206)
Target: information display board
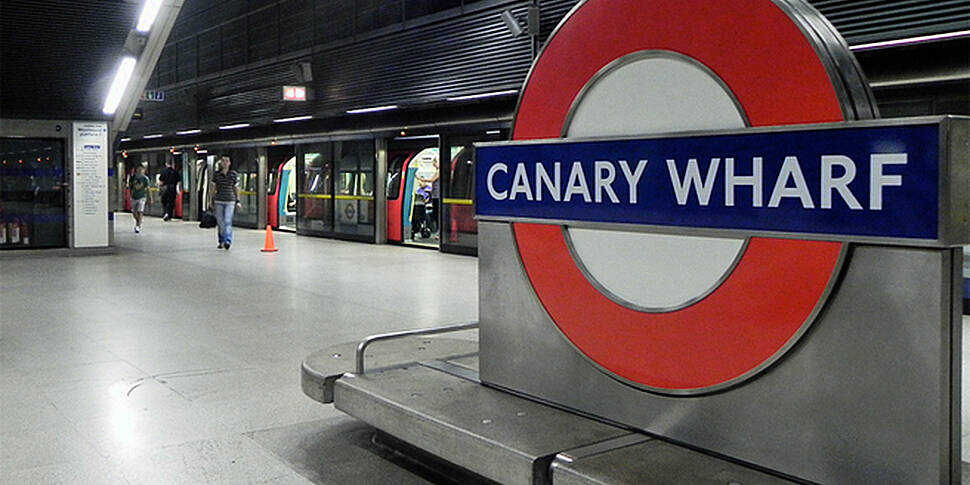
(90,185)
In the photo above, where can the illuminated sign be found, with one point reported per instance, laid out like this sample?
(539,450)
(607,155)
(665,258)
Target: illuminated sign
(294,93)
(153,95)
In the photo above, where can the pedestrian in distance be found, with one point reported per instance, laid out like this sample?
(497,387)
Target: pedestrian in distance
(139,194)
(224,198)
(169,180)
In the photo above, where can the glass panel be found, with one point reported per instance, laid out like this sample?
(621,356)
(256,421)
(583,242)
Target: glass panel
(32,182)
(460,227)
(354,198)
(246,164)
(287,203)
(281,186)
(394,176)
(271,182)
(188,163)
(314,208)
(154,162)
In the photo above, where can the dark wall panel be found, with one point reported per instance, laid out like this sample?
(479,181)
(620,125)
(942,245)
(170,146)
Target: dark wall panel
(408,52)
(187,59)
(862,21)
(458,55)
(473,54)
(263,31)
(210,52)
(251,96)
(334,20)
(295,25)
(167,68)
(234,44)
(420,8)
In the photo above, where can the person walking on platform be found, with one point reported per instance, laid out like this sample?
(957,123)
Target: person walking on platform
(169,179)
(139,193)
(224,197)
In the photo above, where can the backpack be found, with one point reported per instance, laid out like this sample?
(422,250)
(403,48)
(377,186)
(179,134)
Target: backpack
(207,220)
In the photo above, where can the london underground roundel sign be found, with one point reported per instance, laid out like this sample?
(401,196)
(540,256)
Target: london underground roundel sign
(680,314)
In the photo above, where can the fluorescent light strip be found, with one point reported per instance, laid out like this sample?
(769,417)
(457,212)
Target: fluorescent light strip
(202,151)
(911,40)
(176,153)
(189,132)
(148,14)
(372,110)
(295,118)
(124,140)
(235,126)
(484,95)
(416,137)
(493,132)
(118,85)
(156,135)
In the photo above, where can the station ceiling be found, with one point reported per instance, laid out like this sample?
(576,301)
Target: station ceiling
(57,57)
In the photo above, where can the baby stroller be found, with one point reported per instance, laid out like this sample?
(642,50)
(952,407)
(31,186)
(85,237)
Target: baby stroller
(423,219)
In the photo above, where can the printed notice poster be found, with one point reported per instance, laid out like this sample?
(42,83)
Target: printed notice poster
(90,185)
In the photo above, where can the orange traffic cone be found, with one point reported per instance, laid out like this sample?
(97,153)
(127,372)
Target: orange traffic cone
(270,247)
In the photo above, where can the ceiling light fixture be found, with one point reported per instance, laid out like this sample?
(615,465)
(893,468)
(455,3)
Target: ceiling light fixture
(189,132)
(148,13)
(294,118)
(371,110)
(235,126)
(416,137)
(492,94)
(911,40)
(118,85)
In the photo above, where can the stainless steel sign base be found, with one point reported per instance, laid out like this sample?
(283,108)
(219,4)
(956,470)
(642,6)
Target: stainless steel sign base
(869,395)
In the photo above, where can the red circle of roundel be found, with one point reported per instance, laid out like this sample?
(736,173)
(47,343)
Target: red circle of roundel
(769,298)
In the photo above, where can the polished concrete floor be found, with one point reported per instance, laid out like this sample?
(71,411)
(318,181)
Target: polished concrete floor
(173,362)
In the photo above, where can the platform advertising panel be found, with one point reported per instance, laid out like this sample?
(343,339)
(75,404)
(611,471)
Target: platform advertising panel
(90,185)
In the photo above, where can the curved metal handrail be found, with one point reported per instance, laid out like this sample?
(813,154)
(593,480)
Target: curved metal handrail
(362,346)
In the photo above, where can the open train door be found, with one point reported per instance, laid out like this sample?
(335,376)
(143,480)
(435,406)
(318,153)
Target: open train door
(281,188)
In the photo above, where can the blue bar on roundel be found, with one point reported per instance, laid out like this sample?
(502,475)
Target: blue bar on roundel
(881,181)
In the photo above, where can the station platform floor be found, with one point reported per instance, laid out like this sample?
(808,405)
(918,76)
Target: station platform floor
(174,362)
(170,361)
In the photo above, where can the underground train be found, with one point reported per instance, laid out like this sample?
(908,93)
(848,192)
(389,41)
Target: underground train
(314,188)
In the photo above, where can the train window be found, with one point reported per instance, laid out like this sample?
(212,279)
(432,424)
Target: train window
(394,175)
(459,228)
(345,183)
(271,183)
(366,185)
(316,174)
(462,175)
